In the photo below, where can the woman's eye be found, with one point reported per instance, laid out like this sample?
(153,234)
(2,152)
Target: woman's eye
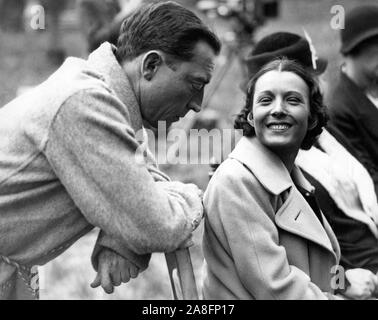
(294,101)
(265,101)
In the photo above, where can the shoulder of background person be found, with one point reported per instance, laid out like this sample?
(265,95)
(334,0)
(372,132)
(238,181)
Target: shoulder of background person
(339,96)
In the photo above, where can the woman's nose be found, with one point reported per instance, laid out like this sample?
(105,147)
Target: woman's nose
(278,108)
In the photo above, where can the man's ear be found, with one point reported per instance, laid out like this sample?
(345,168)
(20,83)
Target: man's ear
(150,64)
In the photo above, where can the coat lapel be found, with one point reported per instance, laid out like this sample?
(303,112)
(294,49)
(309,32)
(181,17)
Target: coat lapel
(296,216)
(332,237)
(264,164)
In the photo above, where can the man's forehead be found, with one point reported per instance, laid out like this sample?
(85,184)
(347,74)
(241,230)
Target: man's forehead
(202,72)
(204,52)
(203,65)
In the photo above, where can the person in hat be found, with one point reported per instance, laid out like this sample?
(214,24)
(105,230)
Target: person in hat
(284,44)
(354,100)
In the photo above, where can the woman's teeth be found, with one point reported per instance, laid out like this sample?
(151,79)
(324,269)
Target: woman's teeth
(279,126)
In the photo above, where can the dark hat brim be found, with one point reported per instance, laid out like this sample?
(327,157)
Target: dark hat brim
(321,65)
(299,51)
(346,48)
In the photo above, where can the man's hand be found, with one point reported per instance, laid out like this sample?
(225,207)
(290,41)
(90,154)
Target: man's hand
(362,284)
(192,197)
(113,270)
(375,293)
(187,243)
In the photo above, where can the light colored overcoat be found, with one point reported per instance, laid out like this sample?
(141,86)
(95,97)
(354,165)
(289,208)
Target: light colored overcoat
(261,239)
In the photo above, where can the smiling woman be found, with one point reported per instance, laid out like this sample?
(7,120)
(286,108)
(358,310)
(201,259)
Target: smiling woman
(284,109)
(264,236)
(286,87)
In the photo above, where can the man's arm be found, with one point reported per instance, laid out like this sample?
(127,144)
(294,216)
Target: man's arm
(91,147)
(110,243)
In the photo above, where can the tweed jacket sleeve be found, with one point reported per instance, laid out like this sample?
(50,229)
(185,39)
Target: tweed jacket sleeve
(241,214)
(91,147)
(107,241)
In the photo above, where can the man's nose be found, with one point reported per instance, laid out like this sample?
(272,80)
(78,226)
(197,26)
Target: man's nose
(196,102)
(194,106)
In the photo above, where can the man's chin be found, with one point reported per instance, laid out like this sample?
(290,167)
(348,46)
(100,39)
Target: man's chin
(161,124)
(171,121)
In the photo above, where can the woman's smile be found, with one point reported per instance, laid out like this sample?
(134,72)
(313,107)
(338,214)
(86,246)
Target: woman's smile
(280,127)
(281,110)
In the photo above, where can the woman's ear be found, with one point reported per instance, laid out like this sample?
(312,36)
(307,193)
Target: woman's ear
(150,64)
(250,119)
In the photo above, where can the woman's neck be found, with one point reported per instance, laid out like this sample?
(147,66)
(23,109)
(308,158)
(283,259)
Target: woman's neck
(286,155)
(288,158)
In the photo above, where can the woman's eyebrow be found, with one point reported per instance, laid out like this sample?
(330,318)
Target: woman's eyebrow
(297,93)
(263,93)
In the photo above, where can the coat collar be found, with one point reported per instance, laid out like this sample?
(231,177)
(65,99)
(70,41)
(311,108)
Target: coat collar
(363,105)
(295,215)
(268,167)
(104,61)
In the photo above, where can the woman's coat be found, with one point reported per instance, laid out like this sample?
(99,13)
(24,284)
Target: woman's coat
(262,240)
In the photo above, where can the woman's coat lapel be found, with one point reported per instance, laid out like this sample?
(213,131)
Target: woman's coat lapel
(295,215)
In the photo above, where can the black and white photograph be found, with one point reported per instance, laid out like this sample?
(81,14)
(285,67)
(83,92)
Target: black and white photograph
(209,151)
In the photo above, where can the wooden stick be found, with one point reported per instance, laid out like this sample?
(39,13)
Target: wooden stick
(180,260)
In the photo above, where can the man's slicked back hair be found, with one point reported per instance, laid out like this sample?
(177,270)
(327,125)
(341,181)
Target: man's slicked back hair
(165,26)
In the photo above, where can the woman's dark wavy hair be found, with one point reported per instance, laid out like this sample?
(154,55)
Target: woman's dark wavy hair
(318,111)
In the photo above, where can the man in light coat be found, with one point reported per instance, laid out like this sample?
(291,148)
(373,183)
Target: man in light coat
(68,152)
